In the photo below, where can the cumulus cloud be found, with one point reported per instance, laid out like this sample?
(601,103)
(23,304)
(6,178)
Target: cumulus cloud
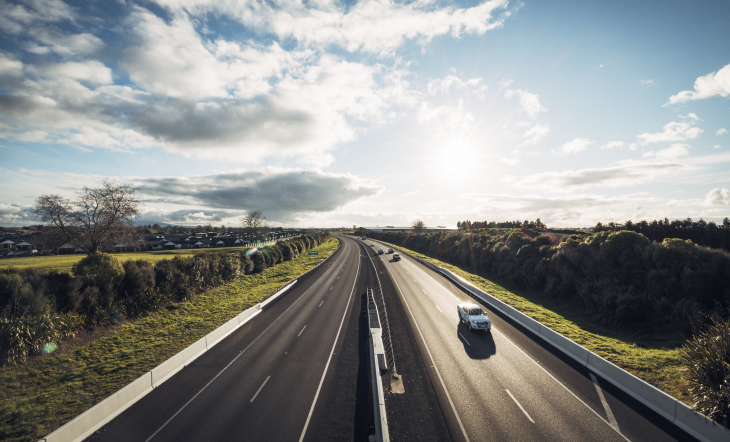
(573,147)
(446,117)
(375,26)
(647,82)
(535,134)
(15,214)
(529,102)
(710,85)
(674,131)
(280,193)
(719,197)
(721,131)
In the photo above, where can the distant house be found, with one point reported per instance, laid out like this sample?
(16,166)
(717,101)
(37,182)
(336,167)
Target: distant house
(7,244)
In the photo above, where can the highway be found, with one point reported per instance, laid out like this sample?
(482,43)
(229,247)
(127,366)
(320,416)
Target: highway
(274,377)
(505,385)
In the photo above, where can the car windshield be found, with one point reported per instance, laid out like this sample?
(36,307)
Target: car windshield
(475,311)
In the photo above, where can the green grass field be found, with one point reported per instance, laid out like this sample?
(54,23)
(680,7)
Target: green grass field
(651,357)
(63,263)
(48,391)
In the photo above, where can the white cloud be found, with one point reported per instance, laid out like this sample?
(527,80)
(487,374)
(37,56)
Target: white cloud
(10,67)
(452,117)
(647,82)
(717,146)
(536,133)
(613,145)
(674,131)
(444,85)
(721,131)
(573,147)
(89,71)
(511,161)
(675,151)
(375,26)
(710,85)
(530,102)
(718,197)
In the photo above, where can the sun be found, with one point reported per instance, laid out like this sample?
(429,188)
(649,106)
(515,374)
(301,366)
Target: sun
(456,158)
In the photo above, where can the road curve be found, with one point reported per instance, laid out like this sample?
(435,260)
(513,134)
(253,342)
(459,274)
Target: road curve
(505,385)
(269,380)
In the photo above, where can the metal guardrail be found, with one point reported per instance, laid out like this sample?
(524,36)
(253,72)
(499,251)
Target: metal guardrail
(384,323)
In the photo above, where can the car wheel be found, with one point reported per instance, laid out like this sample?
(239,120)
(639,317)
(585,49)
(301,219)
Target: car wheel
(469,324)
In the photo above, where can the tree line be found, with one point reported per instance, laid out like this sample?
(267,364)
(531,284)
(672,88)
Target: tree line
(469,225)
(38,307)
(700,232)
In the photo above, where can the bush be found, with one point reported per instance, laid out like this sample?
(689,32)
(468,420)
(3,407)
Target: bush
(707,360)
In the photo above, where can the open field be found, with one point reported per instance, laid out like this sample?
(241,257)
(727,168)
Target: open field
(50,390)
(63,263)
(651,357)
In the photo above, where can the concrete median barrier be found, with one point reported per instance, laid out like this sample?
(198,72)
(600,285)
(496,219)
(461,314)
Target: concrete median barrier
(221,332)
(699,426)
(568,347)
(167,369)
(103,412)
(645,393)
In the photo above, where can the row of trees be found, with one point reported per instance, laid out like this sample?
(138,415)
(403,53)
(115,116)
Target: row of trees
(699,232)
(621,278)
(536,225)
(38,307)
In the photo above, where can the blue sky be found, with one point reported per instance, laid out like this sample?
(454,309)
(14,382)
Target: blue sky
(327,113)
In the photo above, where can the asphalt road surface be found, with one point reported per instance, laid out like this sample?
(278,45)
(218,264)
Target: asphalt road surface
(505,385)
(274,377)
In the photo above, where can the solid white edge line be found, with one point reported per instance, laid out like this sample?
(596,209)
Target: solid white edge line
(609,413)
(439,308)
(462,337)
(300,333)
(229,364)
(314,402)
(443,385)
(518,404)
(260,388)
(541,367)
(320,304)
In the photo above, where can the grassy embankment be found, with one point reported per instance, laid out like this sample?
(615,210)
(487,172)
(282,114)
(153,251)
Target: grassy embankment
(651,357)
(63,263)
(48,391)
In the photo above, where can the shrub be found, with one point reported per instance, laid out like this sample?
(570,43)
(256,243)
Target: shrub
(707,360)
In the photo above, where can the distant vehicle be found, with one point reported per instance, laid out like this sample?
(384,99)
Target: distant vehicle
(372,244)
(396,257)
(364,237)
(390,250)
(474,317)
(380,251)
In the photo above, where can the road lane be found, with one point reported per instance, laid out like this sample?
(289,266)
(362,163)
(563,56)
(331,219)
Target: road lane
(479,369)
(261,382)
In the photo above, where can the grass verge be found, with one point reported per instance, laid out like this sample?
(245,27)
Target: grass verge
(651,356)
(50,390)
(63,263)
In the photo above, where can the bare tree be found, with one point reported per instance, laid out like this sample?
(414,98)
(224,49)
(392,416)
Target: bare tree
(418,226)
(255,222)
(99,217)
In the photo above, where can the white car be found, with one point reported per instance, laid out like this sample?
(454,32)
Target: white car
(372,244)
(474,317)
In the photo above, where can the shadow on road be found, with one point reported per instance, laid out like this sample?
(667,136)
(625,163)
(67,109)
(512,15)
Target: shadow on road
(480,343)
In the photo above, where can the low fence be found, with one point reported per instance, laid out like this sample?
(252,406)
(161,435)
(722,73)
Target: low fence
(102,413)
(377,368)
(696,424)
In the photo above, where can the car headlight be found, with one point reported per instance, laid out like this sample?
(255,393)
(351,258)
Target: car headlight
(474,322)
